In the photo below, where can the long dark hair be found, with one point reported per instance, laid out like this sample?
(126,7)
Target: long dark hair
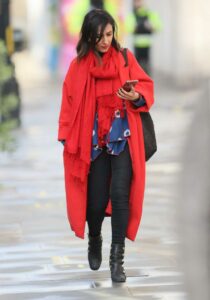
(89,31)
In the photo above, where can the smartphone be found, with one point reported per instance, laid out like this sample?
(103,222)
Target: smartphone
(128,84)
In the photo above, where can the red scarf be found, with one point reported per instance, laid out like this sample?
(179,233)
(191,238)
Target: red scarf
(107,83)
(95,87)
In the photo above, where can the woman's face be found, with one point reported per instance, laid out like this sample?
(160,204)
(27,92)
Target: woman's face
(106,40)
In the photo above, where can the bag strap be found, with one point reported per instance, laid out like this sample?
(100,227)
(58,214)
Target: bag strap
(125,56)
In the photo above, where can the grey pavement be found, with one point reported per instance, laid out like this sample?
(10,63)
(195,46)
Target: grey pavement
(40,258)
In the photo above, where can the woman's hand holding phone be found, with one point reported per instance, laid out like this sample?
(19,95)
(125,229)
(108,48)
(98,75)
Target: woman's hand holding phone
(127,91)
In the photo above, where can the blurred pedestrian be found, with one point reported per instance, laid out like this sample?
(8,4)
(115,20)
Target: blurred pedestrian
(100,127)
(143,23)
(96,4)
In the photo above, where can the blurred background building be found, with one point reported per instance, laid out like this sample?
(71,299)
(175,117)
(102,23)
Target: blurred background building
(180,50)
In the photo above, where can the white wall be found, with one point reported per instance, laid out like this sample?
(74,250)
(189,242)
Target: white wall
(182,49)
(18,14)
(37,28)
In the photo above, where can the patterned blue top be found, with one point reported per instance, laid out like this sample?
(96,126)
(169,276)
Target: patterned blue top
(117,136)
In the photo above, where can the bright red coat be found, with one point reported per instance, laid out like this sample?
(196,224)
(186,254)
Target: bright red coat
(76,196)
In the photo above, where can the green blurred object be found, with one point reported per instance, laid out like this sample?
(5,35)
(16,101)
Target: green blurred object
(10,104)
(6,69)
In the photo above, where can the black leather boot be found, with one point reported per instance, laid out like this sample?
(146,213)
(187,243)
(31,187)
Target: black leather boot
(94,251)
(116,262)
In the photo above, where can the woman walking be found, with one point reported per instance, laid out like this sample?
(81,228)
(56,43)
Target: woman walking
(100,127)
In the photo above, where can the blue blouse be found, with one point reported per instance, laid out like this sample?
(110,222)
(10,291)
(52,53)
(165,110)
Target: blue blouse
(117,137)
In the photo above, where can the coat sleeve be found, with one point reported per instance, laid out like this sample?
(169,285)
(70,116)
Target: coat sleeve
(144,87)
(66,108)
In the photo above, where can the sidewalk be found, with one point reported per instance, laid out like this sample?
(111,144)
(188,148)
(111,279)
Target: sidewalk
(40,258)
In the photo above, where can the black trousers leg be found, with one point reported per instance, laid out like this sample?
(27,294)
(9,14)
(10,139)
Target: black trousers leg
(143,57)
(98,192)
(121,167)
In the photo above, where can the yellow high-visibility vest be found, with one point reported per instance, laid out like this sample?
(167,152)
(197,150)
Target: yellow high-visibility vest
(112,7)
(77,12)
(143,40)
(75,16)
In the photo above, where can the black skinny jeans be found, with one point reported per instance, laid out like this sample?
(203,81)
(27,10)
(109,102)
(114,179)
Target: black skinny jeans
(109,177)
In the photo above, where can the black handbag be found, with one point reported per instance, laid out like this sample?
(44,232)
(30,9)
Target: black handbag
(150,143)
